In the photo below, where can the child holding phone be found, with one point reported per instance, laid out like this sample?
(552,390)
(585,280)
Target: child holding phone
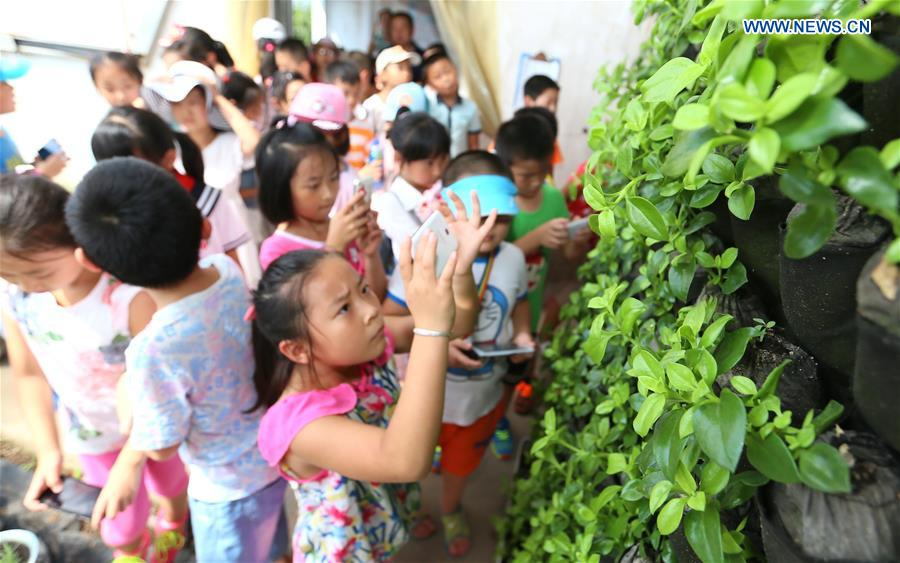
(298,184)
(67,328)
(475,397)
(337,424)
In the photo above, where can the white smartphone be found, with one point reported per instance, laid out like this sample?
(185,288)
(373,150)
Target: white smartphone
(446,242)
(364,184)
(499,350)
(577,226)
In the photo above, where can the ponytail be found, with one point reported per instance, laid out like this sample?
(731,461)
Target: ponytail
(222,54)
(279,314)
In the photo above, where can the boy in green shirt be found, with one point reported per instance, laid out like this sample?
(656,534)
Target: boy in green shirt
(525,145)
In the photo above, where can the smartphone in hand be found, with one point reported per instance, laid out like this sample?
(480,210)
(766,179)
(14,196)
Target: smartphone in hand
(76,497)
(52,147)
(366,184)
(577,226)
(446,242)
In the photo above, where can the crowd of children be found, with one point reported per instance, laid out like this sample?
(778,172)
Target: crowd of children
(214,313)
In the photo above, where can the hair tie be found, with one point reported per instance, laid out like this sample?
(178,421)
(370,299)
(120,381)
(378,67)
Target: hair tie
(250,315)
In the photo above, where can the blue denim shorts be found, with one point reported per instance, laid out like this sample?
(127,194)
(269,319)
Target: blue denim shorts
(252,529)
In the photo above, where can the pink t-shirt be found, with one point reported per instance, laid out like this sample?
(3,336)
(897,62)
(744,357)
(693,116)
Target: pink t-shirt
(282,242)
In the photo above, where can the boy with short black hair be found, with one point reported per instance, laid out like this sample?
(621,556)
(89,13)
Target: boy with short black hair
(189,373)
(366,66)
(525,144)
(541,91)
(392,68)
(345,75)
(459,115)
(293,56)
(402,31)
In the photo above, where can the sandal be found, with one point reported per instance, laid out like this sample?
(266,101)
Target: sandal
(138,556)
(423,526)
(456,531)
(168,539)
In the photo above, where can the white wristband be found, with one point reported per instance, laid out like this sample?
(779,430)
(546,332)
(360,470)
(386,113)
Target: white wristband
(428,332)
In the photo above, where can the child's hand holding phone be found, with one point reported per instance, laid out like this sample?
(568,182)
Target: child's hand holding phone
(429,295)
(348,224)
(51,159)
(554,233)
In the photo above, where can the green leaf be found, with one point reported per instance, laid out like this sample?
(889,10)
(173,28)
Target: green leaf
(866,180)
(795,54)
(772,458)
(666,444)
(734,279)
(728,257)
(713,41)
(713,478)
(822,468)
(742,201)
(795,184)
(670,516)
(893,252)
(890,154)
(646,219)
(697,501)
(680,277)
(645,364)
(659,493)
(743,385)
(680,377)
(861,58)
(628,313)
(790,95)
(761,78)
(738,60)
(624,159)
(671,78)
(817,121)
(764,146)
(635,115)
(662,132)
(714,330)
(606,495)
(770,385)
(720,428)
(616,463)
(829,415)
(594,197)
(686,145)
(730,351)
(718,168)
(736,103)
(606,224)
(703,530)
(737,11)
(550,421)
(809,230)
(691,116)
(649,412)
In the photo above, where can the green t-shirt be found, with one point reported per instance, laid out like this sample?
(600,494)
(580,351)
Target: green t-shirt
(553,206)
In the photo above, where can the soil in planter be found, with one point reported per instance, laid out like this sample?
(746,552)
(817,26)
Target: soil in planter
(802,524)
(18,551)
(877,378)
(799,387)
(743,305)
(757,241)
(819,293)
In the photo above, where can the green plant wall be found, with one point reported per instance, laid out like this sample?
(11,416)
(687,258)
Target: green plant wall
(650,428)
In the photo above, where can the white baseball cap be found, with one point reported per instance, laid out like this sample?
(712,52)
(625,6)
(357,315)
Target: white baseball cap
(268,28)
(391,55)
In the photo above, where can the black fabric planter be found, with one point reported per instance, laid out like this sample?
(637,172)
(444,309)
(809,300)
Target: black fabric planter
(799,388)
(876,381)
(880,98)
(819,293)
(801,524)
(758,241)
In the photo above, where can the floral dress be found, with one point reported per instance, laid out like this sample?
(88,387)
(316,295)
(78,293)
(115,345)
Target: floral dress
(341,519)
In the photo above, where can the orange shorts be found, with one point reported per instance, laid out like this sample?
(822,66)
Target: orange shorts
(462,447)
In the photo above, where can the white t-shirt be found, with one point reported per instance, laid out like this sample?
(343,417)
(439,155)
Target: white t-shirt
(227,227)
(469,395)
(81,350)
(401,210)
(223,162)
(374,107)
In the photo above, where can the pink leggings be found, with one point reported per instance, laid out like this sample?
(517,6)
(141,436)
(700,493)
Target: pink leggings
(164,478)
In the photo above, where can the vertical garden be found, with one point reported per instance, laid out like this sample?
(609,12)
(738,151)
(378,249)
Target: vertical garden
(726,383)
